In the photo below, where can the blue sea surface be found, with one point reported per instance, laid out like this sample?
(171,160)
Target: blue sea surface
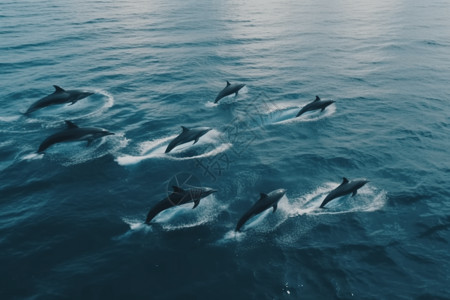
(72,219)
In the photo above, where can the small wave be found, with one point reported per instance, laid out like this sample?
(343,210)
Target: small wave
(231,236)
(156,149)
(8,119)
(32,156)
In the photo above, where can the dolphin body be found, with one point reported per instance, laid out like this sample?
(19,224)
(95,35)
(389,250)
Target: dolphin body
(178,197)
(73,133)
(266,201)
(187,135)
(228,90)
(59,96)
(316,104)
(346,187)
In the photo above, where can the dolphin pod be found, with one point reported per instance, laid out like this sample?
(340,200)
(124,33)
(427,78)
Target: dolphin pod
(59,96)
(346,187)
(73,133)
(265,201)
(178,197)
(228,90)
(315,105)
(187,135)
(181,196)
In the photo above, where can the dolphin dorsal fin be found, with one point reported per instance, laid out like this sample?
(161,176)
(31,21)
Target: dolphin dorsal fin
(344,180)
(70,125)
(264,195)
(184,128)
(177,189)
(228,83)
(58,89)
(317,99)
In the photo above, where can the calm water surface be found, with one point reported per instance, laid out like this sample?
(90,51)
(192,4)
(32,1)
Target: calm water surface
(71,221)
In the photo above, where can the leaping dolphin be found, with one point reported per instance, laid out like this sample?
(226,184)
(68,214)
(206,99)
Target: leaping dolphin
(265,201)
(178,197)
(73,133)
(228,90)
(59,96)
(346,187)
(316,104)
(187,135)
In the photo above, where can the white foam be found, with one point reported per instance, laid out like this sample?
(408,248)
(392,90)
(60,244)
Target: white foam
(8,119)
(33,156)
(156,149)
(211,104)
(311,116)
(179,217)
(367,199)
(232,236)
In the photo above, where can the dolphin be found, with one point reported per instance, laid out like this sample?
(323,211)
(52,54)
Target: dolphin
(228,90)
(59,96)
(265,201)
(73,133)
(179,196)
(316,104)
(187,135)
(346,187)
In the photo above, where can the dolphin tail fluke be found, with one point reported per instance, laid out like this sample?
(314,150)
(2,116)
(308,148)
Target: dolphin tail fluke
(170,146)
(299,113)
(324,202)
(196,203)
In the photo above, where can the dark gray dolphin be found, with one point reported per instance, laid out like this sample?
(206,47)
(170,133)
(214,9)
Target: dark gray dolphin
(187,135)
(346,187)
(228,90)
(73,133)
(316,104)
(60,96)
(179,196)
(266,201)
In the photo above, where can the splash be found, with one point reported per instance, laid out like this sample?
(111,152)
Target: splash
(50,117)
(209,145)
(73,153)
(368,199)
(179,217)
(286,113)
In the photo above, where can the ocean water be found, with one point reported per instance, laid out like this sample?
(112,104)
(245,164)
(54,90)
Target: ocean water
(71,220)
